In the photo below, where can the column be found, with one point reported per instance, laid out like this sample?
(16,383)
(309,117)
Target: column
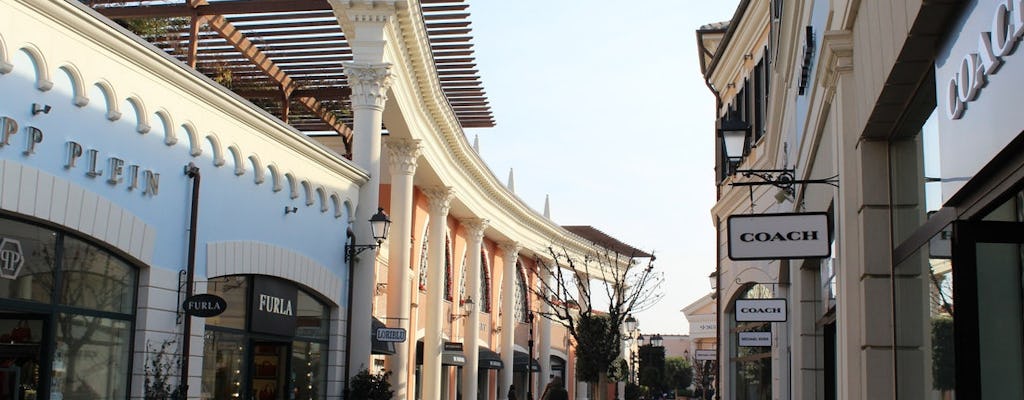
(440,201)
(369,84)
(544,330)
(369,77)
(402,155)
(510,254)
(475,231)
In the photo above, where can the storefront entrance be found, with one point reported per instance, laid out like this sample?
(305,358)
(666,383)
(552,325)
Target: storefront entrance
(20,355)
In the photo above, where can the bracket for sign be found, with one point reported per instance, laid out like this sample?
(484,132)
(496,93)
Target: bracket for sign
(783,179)
(182,281)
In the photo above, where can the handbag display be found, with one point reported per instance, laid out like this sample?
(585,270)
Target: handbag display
(21,333)
(266,368)
(269,392)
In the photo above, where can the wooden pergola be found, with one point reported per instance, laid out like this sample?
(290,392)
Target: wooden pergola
(286,56)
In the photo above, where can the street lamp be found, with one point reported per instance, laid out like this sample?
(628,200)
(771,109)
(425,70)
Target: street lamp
(379,226)
(529,358)
(734,136)
(467,309)
(657,340)
(714,280)
(631,330)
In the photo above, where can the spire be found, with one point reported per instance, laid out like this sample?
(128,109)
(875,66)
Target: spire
(476,143)
(547,206)
(511,181)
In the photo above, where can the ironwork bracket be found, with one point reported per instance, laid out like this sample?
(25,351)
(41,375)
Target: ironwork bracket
(781,178)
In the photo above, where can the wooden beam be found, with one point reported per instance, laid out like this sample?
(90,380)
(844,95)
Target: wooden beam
(327,116)
(218,8)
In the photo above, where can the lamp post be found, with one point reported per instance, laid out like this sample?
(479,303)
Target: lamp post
(734,137)
(631,330)
(379,226)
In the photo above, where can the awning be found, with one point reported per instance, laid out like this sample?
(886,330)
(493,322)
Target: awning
(519,360)
(451,354)
(557,363)
(489,359)
(376,346)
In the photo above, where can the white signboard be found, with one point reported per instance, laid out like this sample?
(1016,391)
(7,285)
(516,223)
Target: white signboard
(755,339)
(779,236)
(761,310)
(704,354)
(391,334)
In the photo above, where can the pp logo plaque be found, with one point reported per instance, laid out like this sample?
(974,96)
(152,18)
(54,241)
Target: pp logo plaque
(11,258)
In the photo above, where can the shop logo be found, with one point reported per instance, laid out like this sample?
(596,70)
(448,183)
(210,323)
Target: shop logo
(276,305)
(205,305)
(993,46)
(11,258)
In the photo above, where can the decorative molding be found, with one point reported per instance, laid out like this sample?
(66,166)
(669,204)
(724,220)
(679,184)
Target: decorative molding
(836,58)
(511,250)
(251,257)
(369,83)
(402,155)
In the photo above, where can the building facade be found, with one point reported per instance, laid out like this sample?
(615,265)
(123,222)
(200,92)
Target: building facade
(144,177)
(862,112)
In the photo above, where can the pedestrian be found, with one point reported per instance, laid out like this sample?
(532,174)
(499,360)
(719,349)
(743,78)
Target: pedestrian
(511,392)
(556,392)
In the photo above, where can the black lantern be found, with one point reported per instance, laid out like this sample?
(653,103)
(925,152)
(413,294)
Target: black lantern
(657,340)
(379,226)
(630,324)
(734,135)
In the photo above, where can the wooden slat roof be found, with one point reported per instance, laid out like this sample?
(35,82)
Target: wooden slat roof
(604,240)
(263,49)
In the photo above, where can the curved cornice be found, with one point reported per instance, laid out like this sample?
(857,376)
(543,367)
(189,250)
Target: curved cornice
(450,154)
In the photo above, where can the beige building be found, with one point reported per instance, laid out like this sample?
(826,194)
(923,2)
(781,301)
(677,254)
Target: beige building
(881,136)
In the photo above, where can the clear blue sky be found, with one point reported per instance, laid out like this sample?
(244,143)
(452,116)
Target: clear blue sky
(601,105)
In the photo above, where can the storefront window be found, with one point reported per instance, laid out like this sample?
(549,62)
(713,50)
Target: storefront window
(234,290)
(75,342)
(222,365)
(91,358)
(308,368)
(35,248)
(94,279)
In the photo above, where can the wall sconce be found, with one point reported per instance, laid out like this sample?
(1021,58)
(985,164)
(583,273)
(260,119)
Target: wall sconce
(748,56)
(379,225)
(290,210)
(40,109)
(467,309)
(730,85)
(497,329)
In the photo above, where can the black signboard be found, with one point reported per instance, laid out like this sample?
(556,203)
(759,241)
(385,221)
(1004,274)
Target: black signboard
(204,305)
(274,303)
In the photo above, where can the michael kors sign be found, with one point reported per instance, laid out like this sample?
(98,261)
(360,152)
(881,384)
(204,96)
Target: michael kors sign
(779,236)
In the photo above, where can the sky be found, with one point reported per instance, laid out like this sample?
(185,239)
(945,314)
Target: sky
(600,105)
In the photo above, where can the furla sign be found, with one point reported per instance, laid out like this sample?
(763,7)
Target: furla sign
(779,236)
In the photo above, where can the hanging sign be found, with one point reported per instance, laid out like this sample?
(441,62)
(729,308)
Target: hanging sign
(391,335)
(204,305)
(779,236)
(704,354)
(755,339)
(761,310)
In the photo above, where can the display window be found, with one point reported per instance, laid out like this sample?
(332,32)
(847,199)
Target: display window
(66,316)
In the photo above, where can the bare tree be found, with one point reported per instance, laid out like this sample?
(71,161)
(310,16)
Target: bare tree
(628,283)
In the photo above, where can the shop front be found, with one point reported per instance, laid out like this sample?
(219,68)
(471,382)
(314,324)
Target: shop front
(269,344)
(67,311)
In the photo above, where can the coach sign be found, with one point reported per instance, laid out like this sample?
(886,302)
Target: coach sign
(761,310)
(778,236)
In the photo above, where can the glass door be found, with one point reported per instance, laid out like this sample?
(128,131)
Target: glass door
(988,315)
(269,371)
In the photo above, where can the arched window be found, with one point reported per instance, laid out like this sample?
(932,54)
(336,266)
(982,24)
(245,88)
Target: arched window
(485,284)
(448,268)
(753,364)
(520,300)
(423,258)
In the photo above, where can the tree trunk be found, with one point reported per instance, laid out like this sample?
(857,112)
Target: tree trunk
(601,388)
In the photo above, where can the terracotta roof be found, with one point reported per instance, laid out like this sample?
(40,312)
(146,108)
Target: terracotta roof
(715,26)
(604,240)
(262,48)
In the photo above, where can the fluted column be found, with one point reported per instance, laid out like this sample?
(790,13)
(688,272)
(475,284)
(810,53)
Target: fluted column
(510,254)
(440,201)
(475,231)
(402,155)
(544,328)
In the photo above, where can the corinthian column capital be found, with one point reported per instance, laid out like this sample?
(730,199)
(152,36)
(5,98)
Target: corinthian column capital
(369,83)
(511,249)
(439,199)
(475,227)
(402,155)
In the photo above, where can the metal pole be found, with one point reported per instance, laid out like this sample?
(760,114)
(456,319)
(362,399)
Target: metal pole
(529,360)
(192,171)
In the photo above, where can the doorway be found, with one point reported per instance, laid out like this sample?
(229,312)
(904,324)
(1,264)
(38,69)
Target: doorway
(21,356)
(269,371)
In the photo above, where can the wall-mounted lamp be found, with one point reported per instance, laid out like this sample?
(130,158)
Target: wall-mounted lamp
(714,280)
(379,225)
(497,329)
(290,210)
(40,108)
(734,134)
(467,309)
(730,85)
(748,56)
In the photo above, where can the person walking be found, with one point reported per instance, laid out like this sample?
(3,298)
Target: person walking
(511,392)
(555,391)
